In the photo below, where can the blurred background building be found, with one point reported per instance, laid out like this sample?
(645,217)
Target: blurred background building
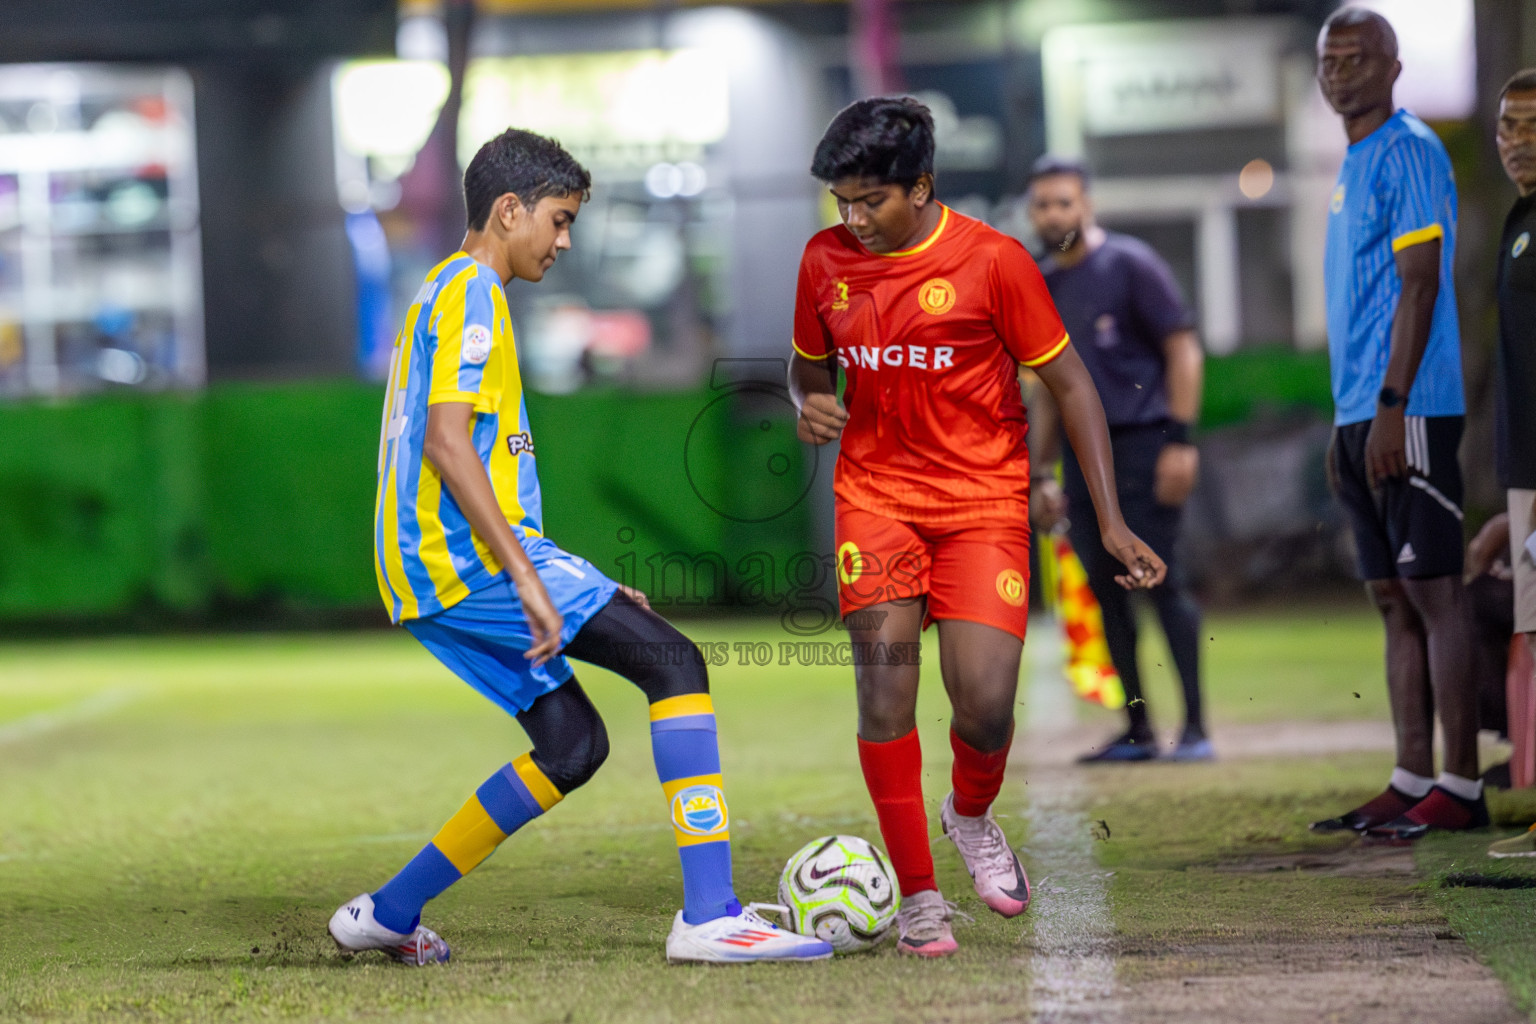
(212,217)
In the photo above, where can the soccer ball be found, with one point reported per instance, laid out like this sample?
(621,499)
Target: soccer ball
(839,888)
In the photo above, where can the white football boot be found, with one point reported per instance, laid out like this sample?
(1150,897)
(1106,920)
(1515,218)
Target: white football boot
(746,938)
(995,869)
(355,929)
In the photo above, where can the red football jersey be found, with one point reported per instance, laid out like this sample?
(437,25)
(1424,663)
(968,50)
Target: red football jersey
(931,340)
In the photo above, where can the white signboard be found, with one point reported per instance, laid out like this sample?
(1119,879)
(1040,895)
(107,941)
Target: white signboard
(1177,86)
(1161,76)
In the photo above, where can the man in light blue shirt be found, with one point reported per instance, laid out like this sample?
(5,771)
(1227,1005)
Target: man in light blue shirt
(1395,358)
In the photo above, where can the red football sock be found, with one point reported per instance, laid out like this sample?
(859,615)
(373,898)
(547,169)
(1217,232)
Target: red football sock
(976,777)
(894,774)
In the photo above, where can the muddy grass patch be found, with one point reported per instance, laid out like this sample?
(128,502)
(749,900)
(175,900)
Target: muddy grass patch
(1352,861)
(1490,902)
(1228,908)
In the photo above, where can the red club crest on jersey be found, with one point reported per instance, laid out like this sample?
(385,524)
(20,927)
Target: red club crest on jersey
(936,296)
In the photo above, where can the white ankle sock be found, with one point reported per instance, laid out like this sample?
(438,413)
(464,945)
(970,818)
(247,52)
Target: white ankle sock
(1416,786)
(1467,789)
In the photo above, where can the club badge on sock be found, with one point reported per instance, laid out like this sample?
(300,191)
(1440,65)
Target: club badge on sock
(700,811)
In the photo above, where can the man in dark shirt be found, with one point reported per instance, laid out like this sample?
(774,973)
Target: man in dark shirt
(1515,437)
(1126,318)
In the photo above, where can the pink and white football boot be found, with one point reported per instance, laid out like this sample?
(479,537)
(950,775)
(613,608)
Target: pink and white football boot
(995,869)
(923,921)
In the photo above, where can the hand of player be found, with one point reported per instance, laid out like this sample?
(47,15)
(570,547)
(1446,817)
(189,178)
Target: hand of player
(822,419)
(1144,570)
(637,596)
(1386,447)
(1047,503)
(1491,542)
(1178,469)
(544,621)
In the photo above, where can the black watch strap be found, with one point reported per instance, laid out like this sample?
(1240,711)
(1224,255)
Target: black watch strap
(1389,398)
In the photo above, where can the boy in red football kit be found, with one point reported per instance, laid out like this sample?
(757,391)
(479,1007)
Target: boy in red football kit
(930,313)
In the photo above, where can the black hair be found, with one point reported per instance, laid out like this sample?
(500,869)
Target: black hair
(1050,165)
(527,165)
(1520,81)
(888,138)
(1359,17)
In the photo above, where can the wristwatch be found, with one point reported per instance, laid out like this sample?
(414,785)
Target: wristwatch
(1389,398)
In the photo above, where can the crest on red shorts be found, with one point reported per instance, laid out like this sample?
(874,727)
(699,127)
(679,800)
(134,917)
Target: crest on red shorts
(1010,587)
(850,562)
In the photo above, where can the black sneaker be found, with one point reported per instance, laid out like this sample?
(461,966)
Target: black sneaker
(1441,810)
(1129,746)
(1391,803)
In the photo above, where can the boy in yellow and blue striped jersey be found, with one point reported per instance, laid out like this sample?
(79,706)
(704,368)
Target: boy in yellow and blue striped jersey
(464,565)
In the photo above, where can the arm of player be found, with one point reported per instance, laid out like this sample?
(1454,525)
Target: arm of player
(448,447)
(1386,443)
(1491,542)
(813,389)
(1083,416)
(1178,465)
(1047,503)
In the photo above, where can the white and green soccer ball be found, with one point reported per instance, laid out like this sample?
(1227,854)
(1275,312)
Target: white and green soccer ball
(840,889)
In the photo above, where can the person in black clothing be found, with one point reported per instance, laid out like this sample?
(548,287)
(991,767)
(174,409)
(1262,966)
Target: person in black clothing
(1124,313)
(1516,432)
(1515,435)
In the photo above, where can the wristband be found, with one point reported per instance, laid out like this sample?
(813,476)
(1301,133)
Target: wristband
(1176,433)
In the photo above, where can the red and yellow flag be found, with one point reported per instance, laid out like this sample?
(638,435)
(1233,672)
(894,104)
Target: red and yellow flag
(1089,668)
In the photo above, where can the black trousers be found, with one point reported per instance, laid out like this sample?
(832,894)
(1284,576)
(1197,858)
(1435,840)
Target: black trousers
(1136,450)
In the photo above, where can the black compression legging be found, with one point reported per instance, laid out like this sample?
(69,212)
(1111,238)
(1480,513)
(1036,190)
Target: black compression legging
(570,741)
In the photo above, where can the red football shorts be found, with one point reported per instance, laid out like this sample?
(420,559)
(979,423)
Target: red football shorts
(977,571)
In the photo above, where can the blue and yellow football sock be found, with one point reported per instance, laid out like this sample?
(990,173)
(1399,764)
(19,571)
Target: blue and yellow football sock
(687,756)
(504,803)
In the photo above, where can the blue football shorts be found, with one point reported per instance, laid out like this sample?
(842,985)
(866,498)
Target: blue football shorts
(482,639)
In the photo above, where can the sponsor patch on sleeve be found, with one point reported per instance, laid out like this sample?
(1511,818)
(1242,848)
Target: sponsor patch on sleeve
(477,343)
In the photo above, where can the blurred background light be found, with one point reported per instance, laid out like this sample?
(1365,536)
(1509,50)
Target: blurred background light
(1437,45)
(664,181)
(1256,179)
(42,118)
(131,204)
(386,108)
(421,37)
(694,179)
(600,103)
(119,366)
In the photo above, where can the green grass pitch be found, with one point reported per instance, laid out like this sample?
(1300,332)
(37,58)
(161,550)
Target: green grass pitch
(179,817)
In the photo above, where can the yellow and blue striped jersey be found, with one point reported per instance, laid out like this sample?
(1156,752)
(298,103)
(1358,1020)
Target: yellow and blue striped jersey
(456,346)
